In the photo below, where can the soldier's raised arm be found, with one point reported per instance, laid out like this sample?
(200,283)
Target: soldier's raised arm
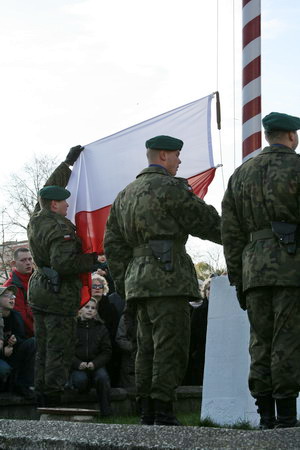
(61,175)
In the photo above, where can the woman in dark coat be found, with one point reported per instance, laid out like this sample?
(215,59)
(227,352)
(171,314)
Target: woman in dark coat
(109,314)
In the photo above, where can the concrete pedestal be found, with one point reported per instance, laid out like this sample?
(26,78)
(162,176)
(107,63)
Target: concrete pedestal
(225,397)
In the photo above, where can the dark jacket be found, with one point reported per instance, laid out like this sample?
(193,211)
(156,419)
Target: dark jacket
(92,343)
(13,324)
(109,314)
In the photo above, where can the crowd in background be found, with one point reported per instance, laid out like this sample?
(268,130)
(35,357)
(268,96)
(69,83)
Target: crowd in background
(106,336)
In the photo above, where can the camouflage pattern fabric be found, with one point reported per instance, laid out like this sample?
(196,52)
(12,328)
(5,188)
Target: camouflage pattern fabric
(263,189)
(156,206)
(54,352)
(53,243)
(274,315)
(163,337)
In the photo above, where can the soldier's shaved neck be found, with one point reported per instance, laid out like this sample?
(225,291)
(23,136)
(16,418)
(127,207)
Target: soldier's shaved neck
(287,138)
(153,156)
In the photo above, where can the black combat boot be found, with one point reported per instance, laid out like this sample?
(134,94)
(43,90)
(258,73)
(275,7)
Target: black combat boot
(146,411)
(287,413)
(164,414)
(266,410)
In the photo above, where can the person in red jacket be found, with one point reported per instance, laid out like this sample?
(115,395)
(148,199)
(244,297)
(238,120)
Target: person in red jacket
(19,277)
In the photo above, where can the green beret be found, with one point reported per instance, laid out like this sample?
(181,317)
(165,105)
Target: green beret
(164,143)
(280,122)
(54,193)
(12,288)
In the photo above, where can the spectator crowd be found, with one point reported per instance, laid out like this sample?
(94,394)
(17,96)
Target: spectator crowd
(106,346)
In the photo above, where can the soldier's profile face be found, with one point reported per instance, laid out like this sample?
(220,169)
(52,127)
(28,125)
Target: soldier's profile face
(172,162)
(62,207)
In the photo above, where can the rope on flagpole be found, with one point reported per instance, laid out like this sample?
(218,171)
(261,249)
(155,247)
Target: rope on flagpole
(218,104)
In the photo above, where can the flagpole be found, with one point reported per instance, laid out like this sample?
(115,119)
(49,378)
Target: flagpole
(251,97)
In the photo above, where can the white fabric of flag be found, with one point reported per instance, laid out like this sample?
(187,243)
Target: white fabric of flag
(106,166)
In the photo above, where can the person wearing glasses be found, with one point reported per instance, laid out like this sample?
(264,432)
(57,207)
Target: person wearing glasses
(109,314)
(17,353)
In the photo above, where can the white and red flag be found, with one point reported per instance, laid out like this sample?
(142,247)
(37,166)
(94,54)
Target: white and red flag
(106,166)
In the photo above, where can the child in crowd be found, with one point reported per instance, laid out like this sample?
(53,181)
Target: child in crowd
(92,353)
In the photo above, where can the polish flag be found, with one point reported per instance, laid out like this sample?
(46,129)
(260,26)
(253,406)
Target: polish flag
(106,166)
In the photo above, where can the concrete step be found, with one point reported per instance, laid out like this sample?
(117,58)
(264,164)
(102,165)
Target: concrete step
(122,401)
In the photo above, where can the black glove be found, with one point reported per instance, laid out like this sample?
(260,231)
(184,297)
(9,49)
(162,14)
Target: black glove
(241,296)
(73,154)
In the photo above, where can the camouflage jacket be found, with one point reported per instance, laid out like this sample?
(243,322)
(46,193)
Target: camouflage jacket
(262,190)
(156,206)
(53,243)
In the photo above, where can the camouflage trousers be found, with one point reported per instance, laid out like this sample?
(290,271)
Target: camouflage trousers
(163,336)
(55,341)
(274,315)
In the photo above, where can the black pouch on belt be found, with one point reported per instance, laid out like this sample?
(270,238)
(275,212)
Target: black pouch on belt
(163,250)
(286,233)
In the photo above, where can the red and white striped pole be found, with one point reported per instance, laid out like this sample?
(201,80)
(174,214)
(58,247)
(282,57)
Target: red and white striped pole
(251,133)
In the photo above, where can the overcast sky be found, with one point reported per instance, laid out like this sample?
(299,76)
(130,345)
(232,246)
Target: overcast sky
(74,71)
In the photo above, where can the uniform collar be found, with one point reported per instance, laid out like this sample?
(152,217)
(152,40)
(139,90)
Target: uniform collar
(277,149)
(155,169)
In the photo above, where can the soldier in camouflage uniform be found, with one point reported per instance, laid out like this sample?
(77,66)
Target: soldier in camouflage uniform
(260,221)
(54,288)
(146,232)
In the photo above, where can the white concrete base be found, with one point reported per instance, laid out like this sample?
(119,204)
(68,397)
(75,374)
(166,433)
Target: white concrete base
(226,398)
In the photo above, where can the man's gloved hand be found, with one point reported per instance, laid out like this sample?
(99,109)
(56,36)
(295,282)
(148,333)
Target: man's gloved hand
(73,154)
(241,296)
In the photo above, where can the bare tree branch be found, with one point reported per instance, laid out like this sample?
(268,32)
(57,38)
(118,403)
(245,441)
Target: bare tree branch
(22,189)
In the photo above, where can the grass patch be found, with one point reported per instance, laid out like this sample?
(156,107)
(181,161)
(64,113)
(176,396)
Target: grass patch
(189,420)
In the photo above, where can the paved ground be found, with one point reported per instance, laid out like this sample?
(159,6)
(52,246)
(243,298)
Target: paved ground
(15,434)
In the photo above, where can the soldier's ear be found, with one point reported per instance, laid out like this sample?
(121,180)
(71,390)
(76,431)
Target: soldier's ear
(163,155)
(53,206)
